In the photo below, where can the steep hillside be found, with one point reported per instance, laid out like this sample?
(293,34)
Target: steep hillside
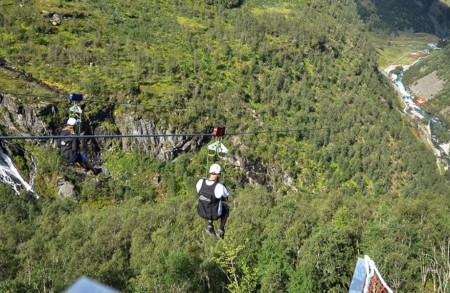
(319,152)
(430,16)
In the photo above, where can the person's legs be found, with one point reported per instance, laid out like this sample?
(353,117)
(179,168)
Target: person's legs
(210,227)
(88,165)
(224,216)
(223,220)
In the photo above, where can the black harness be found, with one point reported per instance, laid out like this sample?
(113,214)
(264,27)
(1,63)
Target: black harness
(69,146)
(208,204)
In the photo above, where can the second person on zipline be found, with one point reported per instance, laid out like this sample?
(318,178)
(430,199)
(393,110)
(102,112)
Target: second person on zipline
(70,147)
(211,194)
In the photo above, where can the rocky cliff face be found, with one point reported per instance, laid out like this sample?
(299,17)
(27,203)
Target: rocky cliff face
(20,118)
(164,147)
(40,118)
(25,115)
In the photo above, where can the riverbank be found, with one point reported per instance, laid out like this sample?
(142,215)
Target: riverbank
(418,116)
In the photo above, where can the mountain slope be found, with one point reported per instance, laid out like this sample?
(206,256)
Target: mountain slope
(345,172)
(430,16)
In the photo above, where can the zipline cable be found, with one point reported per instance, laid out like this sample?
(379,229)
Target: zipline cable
(164,135)
(61,96)
(279,131)
(106,136)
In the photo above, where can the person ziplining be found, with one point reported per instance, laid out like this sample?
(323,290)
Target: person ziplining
(211,194)
(71,152)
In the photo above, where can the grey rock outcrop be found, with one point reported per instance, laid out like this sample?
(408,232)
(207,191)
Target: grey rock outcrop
(22,118)
(164,147)
(65,189)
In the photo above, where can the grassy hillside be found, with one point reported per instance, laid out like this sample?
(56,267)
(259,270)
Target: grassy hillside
(346,172)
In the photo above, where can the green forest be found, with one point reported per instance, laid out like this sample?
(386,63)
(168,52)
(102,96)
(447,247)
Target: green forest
(322,166)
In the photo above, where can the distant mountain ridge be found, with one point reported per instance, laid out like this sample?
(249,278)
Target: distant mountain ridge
(430,16)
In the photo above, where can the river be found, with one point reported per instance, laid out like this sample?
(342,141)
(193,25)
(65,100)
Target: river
(412,109)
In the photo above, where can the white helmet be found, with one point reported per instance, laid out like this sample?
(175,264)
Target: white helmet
(72,121)
(215,169)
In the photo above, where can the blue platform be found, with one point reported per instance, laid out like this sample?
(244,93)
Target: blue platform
(86,285)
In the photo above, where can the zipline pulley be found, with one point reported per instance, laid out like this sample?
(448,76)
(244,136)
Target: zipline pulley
(75,111)
(217,149)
